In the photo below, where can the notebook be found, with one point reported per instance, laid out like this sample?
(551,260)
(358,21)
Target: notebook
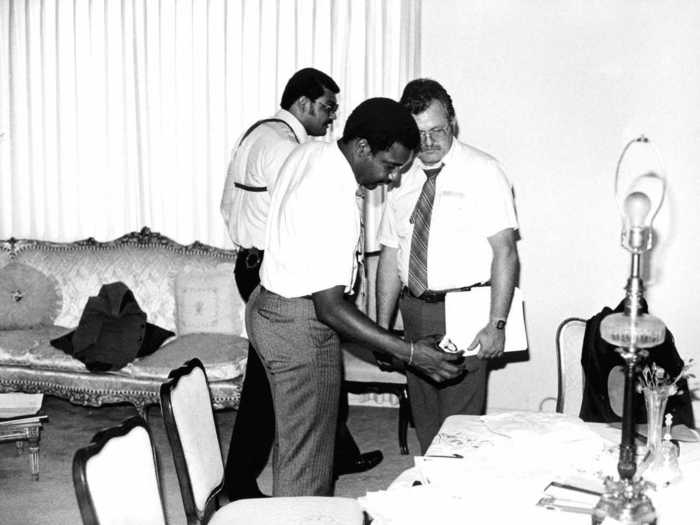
(468,312)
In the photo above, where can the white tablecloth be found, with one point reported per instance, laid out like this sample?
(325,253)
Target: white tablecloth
(494,469)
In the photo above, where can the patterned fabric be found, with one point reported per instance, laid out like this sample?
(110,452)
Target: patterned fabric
(223,356)
(148,267)
(418,262)
(28,297)
(206,302)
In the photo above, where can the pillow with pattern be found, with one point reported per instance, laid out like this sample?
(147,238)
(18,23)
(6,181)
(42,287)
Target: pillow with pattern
(28,297)
(207,301)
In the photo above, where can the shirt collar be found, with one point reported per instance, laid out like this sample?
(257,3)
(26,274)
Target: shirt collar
(297,126)
(445,160)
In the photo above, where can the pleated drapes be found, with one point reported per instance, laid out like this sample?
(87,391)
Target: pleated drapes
(115,114)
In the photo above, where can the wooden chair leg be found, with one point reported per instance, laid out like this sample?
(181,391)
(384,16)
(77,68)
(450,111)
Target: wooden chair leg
(34,436)
(404,417)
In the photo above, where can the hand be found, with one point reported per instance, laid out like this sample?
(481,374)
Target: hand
(490,340)
(437,365)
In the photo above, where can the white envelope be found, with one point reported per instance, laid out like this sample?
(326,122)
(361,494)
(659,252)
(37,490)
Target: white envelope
(468,312)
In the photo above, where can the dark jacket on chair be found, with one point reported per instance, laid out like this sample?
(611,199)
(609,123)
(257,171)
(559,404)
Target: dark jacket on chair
(598,358)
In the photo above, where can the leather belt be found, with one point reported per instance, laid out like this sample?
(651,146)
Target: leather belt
(438,296)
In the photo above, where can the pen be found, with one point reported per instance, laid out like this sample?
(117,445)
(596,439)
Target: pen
(572,487)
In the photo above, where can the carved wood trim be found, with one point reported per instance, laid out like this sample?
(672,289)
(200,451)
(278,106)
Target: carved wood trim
(144,238)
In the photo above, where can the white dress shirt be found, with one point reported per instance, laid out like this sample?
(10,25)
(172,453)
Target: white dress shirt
(314,226)
(473,201)
(256,162)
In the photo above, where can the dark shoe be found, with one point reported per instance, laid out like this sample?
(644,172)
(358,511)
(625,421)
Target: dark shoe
(362,463)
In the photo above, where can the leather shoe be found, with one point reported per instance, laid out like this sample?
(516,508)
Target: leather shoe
(361,463)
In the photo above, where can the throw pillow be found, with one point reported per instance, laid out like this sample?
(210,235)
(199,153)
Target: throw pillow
(28,297)
(207,301)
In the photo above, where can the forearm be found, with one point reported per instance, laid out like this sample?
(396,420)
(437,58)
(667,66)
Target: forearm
(388,286)
(352,324)
(504,272)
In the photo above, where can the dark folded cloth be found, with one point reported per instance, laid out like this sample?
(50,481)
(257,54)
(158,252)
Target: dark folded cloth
(112,331)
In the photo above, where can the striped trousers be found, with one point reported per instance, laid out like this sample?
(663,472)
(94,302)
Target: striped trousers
(303,362)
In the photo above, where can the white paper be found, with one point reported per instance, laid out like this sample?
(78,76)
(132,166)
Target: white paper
(468,312)
(15,404)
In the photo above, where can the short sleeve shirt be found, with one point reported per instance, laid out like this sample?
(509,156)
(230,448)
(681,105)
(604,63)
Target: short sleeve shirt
(256,162)
(314,224)
(473,201)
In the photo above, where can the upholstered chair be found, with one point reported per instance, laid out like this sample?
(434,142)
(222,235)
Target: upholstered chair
(191,429)
(116,477)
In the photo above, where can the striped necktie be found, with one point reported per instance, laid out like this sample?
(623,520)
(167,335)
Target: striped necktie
(418,260)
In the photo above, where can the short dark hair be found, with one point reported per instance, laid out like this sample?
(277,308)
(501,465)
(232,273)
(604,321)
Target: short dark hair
(382,122)
(420,93)
(307,82)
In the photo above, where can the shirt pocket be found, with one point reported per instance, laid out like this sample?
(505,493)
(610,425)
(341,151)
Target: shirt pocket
(451,211)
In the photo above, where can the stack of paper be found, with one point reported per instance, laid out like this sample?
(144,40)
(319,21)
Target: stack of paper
(16,404)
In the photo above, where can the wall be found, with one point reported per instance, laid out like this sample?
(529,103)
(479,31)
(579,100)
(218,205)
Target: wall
(555,90)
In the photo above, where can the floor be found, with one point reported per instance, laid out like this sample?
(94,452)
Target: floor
(51,500)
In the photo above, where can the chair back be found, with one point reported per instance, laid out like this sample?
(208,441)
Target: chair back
(569,370)
(189,424)
(116,477)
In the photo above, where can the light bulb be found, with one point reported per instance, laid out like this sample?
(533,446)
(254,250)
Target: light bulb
(637,206)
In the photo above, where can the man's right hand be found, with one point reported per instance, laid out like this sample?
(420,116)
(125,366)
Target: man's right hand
(436,364)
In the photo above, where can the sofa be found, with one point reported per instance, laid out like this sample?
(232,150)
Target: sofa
(189,290)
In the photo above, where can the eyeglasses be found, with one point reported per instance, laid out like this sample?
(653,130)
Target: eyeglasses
(435,133)
(330,108)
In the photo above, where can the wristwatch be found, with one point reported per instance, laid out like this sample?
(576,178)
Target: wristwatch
(500,324)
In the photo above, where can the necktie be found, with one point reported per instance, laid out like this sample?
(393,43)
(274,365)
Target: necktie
(418,260)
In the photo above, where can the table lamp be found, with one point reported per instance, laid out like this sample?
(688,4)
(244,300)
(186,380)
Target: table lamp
(639,198)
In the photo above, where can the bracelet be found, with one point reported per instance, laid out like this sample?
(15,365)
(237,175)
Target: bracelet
(410,359)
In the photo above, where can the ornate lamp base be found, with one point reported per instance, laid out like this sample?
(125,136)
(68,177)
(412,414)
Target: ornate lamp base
(625,501)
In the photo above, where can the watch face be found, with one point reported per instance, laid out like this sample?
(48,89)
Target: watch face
(500,325)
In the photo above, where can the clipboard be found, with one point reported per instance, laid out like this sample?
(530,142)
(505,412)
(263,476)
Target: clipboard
(468,312)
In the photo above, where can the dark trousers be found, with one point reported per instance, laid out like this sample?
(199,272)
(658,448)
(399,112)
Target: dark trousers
(431,402)
(254,429)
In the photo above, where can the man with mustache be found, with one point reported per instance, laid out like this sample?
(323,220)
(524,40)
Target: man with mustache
(449,225)
(308,108)
(295,318)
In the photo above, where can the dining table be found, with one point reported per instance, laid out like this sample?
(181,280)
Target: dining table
(527,467)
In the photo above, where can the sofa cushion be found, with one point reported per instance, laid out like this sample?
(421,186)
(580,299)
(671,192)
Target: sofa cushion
(28,297)
(224,356)
(206,301)
(31,348)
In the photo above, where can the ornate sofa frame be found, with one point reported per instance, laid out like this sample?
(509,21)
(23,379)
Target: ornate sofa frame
(32,370)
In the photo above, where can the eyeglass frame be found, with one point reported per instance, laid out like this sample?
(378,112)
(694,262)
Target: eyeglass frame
(331,109)
(434,133)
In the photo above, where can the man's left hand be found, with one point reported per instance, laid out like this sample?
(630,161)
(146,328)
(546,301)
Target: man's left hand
(490,341)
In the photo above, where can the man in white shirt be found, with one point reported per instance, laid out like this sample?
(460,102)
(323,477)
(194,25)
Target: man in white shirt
(308,107)
(450,224)
(297,315)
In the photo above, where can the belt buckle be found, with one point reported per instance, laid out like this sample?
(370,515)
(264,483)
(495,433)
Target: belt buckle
(252,259)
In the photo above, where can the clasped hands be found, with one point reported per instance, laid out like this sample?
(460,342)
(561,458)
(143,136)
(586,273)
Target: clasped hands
(441,366)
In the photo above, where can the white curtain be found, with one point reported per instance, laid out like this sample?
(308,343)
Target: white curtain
(115,114)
